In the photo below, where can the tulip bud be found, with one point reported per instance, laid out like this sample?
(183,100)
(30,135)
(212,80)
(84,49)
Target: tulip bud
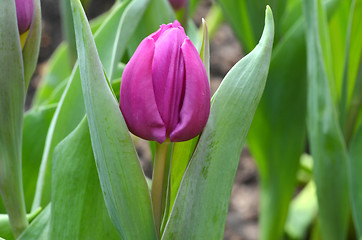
(178,4)
(165,91)
(24,13)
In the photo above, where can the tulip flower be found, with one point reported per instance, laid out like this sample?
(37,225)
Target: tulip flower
(178,4)
(24,13)
(165,91)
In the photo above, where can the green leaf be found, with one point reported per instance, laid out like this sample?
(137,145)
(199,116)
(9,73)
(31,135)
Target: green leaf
(12,97)
(355,167)
(36,124)
(208,180)
(122,180)
(32,44)
(77,201)
(67,116)
(327,144)
(58,70)
(39,228)
(280,115)
(303,210)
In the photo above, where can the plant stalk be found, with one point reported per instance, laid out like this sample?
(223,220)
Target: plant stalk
(158,190)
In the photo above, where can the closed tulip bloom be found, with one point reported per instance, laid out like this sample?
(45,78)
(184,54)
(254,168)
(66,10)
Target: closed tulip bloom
(178,4)
(24,13)
(165,91)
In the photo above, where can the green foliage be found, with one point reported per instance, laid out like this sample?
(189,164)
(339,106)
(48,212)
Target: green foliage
(214,163)
(77,200)
(128,202)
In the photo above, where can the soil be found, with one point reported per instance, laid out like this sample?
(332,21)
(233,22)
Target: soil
(225,51)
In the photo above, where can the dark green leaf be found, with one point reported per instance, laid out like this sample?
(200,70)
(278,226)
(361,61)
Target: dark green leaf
(326,139)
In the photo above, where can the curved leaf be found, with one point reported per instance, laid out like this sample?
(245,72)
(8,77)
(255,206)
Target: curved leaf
(122,180)
(202,202)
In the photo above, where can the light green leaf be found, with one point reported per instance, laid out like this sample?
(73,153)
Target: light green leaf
(122,180)
(67,116)
(32,44)
(327,144)
(58,69)
(36,124)
(39,228)
(302,212)
(209,177)
(12,97)
(78,209)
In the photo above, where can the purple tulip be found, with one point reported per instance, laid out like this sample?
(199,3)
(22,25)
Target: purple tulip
(24,13)
(178,4)
(165,91)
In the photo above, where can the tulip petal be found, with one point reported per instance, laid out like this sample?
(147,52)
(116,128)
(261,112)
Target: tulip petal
(24,13)
(168,75)
(196,102)
(137,98)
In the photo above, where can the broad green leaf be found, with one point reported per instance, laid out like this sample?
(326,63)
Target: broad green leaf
(32,44)
(12,97)
(355,167)
(58,69)
(77,201)
(325,136)
(122,180)
(39,228)
(69,112)
(67,116)
(280,115)
(202,202)
(302,212)
(36,124)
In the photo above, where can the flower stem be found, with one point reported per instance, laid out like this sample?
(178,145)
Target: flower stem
(158,190)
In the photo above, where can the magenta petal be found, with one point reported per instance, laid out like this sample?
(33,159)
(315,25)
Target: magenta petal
(137,98)
(24,13)
(168,76)
(196,105)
